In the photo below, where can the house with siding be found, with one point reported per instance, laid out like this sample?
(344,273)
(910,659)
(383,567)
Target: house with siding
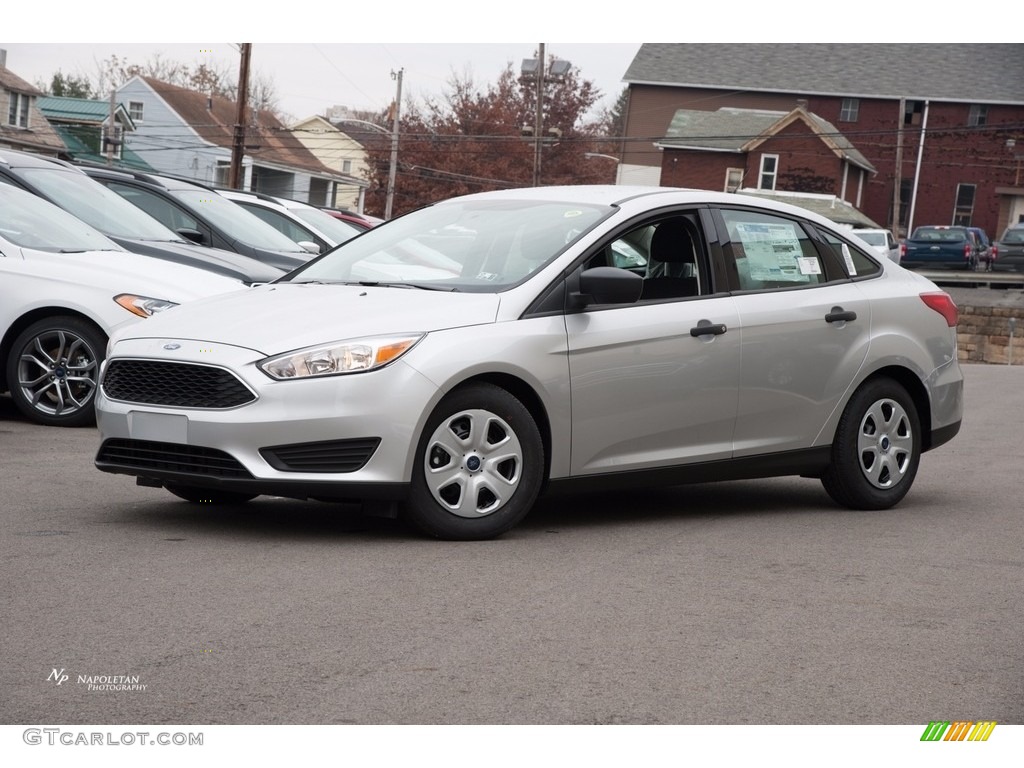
(22,125)
(83,126)
(340,152)
(188,134)
(942,125)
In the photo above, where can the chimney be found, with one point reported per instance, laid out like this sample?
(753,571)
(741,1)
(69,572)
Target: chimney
(802,103)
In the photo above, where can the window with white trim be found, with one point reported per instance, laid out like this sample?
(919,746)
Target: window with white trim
(17,115)
(769,171)
(849,111)
(733,179)
(135,111)
(964,205)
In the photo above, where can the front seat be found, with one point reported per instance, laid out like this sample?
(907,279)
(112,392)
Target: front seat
(671,270)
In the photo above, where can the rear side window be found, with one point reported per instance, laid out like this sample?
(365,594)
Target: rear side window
(856,263)
(771,251)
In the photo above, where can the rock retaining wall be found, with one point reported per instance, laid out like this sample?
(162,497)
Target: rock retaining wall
(987,334)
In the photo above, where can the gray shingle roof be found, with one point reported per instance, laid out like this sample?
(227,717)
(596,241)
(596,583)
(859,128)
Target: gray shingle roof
(975,73)
(731,130)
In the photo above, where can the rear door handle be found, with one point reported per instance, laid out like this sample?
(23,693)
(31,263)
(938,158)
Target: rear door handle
(705,328)
(839,315)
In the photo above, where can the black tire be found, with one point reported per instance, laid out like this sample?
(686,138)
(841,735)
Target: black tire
(479,466)
(209,495)
(877,448)
(53,369)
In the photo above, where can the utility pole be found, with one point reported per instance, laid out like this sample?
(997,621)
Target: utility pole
(898,180)
(111,130)
(393,169)
(238,144)
(538,125)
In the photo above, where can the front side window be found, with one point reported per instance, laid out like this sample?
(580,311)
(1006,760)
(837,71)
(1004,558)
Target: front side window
(769,171)
(17,115)
(770,251)
(849,111)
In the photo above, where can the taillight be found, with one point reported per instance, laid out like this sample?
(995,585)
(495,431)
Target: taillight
(995,252)
(967,251)
(942,303)
(903,250)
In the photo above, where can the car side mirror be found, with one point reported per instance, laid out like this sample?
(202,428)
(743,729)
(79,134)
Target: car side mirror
(608,285)
(192,235)
(309,245)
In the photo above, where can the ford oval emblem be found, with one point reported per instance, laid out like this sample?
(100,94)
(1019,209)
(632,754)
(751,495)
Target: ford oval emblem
(172,346)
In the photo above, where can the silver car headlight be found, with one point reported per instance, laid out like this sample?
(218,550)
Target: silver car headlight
(339,357)
(143,306)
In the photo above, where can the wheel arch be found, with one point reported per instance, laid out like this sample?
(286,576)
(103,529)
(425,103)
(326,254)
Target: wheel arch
(528,396)
(32,316)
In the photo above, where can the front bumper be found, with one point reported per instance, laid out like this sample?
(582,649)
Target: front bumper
(337,437)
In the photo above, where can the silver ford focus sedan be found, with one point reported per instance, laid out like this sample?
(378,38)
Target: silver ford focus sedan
(452,364)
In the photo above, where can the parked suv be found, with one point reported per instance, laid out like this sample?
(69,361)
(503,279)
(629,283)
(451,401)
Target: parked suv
(312,228)
(986,255)
(882,241)
(67,187)
(198,213)
(1009,250)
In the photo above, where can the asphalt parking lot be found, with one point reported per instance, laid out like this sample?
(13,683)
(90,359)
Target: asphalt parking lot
(746,602)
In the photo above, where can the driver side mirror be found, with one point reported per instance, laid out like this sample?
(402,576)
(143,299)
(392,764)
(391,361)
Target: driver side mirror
(608,285)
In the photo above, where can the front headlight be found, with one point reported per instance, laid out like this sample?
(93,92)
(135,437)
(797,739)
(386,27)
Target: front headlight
(353,356)
(143,306)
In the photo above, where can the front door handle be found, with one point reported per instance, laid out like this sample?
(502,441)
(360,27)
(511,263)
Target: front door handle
(706,328)
(839,315)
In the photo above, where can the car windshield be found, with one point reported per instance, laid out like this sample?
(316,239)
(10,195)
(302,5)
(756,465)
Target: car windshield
(469,245)
(337,230)
(1014,236)
(32,222)
(872,238)
(236,222)
(939,235)
(97,205)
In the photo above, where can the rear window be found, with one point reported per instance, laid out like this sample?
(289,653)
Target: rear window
(939,234)
(1015,235)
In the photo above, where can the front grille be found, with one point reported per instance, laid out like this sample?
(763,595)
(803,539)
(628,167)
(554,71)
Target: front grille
(180,385)
(325,456)
(170,457)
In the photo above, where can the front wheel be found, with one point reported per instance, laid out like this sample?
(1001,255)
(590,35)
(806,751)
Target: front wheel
(877,448)
(53,369)
(479,466)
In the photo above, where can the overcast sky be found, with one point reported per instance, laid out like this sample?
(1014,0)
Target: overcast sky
(311,77)
(432,41)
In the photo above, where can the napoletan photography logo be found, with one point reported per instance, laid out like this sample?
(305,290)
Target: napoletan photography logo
(958,730)
(98,683)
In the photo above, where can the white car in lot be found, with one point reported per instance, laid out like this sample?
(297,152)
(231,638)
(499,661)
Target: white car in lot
(882,241)
(64,287)
(742,338)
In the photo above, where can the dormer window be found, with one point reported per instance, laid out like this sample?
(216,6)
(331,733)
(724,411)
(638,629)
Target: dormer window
(17,115)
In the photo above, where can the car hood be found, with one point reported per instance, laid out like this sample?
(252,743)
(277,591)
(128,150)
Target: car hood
(276,318)
(217,260)
(121,271)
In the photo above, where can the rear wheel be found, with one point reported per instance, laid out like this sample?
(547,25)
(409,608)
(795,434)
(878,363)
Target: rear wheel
(208,495)
(53,369)
(479,466)
(877,448)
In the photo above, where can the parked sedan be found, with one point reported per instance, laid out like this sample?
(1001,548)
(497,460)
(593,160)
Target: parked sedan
(68,187)
(200,215)
(1008,251)
(310,227)
(883,241)
(747,338)
(64,287)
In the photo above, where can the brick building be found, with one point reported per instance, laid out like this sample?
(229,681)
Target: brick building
(941,127)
